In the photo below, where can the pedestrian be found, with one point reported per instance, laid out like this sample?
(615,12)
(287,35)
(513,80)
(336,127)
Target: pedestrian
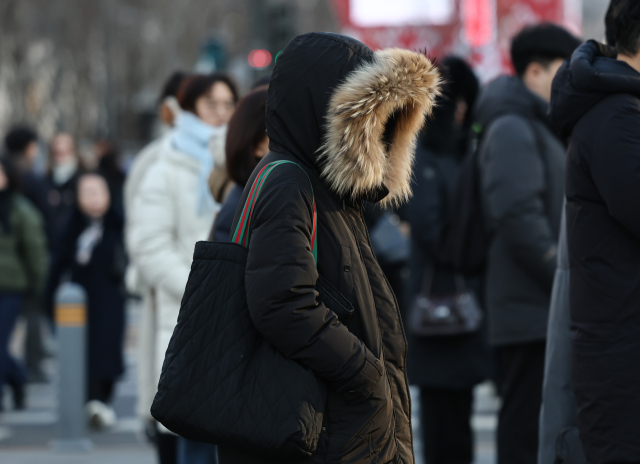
(596,102)
(169,109)
(348,117)
(23,270)
(446,368)
(91,251)
(63,168)
(247,143)
(522,164)
(172,210)
(148,156)
(22,149)
(559,434)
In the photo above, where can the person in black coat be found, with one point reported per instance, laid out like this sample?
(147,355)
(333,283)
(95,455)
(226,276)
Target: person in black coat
(348,117)
(92,250)
(596,101)
(446,367)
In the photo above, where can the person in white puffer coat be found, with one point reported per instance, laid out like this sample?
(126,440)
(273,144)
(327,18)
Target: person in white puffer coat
(172,210)
(168,112)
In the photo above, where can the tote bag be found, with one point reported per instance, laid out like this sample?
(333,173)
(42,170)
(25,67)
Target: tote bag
(221,381)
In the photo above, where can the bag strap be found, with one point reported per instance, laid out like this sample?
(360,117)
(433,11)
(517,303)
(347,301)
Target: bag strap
(243,229)
(429,275)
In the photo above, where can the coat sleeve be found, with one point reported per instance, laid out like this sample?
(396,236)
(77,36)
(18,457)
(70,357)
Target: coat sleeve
(616,167)
(280,279)
(513,181)
(33,242)
(151,234)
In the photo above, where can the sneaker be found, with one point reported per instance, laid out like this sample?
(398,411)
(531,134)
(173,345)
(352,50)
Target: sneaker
(100,415)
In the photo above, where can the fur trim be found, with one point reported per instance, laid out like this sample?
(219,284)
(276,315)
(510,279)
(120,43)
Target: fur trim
(354,157)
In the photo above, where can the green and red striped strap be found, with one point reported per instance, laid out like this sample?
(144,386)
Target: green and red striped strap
(243,230)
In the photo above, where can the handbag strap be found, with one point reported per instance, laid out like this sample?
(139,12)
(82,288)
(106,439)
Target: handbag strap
(243,229)
(429,274)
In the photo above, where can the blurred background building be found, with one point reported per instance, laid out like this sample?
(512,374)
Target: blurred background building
(94,68)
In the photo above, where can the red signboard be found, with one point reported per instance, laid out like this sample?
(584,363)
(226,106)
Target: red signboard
(480,30)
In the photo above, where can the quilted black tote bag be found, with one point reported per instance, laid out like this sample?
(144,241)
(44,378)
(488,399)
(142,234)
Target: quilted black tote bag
(221,381)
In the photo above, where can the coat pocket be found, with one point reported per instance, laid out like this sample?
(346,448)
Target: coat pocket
(334,300)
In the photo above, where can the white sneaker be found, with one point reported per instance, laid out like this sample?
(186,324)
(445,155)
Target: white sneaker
(100,415)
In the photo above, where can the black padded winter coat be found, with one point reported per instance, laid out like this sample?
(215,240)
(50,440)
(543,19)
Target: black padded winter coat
(596,100)
(349,117)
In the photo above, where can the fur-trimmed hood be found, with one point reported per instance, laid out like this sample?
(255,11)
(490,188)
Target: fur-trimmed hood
(351,112)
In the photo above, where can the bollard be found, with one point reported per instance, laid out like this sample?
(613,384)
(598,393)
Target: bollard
(71,327)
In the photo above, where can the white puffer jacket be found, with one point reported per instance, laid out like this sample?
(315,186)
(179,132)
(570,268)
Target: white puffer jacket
(163,228)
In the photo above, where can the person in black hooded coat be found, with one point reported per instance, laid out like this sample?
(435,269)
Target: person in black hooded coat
(596,101)
(446,368)
(348,116)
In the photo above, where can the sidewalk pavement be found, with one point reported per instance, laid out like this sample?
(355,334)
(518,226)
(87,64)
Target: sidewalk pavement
(27,437)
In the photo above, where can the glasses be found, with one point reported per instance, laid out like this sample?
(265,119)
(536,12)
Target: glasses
(219,105)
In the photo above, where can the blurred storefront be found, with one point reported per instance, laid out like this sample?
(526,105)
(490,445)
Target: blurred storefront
(478,29)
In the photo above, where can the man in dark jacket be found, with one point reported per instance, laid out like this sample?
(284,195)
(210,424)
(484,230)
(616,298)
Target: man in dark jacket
(596,101)
(522,174)
(348,116)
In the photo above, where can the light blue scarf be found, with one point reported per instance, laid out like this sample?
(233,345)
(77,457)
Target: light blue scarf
(192,136)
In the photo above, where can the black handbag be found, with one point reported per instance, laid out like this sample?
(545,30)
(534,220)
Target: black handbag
(444,315)
(221,381)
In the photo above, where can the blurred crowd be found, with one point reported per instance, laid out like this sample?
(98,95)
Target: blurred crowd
(130,233)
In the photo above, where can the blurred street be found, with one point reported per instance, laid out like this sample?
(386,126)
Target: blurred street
(27,437)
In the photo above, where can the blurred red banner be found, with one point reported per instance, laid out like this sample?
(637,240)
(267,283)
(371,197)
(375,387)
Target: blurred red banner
(479,30)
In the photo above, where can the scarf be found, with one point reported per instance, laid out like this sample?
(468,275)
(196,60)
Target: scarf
(87,242)
(61,173)
(196,138)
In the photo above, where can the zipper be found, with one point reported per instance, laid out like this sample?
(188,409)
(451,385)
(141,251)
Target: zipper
(404,335)
(354,230)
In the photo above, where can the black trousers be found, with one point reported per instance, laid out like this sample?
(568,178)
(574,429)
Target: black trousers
(446,431)
(101,390)
(34,349)
(520,376)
